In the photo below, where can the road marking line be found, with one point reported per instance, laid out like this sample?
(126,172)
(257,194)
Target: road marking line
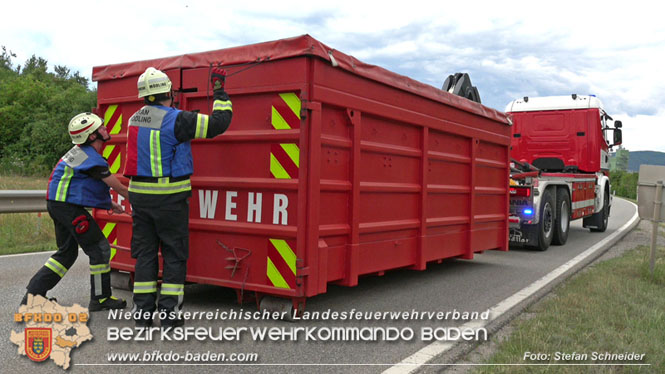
(420,358)
(30,253)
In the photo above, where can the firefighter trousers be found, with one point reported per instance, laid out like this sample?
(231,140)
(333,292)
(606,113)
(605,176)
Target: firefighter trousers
(74,227)
(165,226)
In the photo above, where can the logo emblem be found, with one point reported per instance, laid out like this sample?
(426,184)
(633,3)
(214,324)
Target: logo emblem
(38,343)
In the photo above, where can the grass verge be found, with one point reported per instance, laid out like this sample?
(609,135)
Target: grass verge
(17,182)
(617,306)
(25,232)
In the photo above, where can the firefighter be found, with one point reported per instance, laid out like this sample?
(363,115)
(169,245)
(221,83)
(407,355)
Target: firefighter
(159,164)
(81,179)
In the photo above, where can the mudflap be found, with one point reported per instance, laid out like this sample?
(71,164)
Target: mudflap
(523,237)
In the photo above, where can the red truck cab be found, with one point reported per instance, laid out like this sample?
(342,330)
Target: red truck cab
(560,149)
(571,129)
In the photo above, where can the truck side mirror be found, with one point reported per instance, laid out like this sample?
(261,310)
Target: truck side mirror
(617,124)
(617,136)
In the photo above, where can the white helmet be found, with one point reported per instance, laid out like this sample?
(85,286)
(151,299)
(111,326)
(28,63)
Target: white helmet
(82,125)
(153,82)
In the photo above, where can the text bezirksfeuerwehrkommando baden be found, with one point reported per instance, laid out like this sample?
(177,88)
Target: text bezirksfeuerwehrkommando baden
(310,333)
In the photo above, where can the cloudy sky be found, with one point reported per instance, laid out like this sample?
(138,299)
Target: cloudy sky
(510,49)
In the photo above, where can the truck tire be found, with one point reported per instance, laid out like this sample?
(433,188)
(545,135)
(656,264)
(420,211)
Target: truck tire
(284,307)
(599,220)
(562,221)
(546,225)
(121,280)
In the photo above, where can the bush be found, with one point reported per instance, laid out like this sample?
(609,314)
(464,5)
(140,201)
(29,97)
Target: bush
(35,108)
(624,183)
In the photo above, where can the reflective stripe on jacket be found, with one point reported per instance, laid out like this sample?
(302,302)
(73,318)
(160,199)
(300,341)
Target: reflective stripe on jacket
(152,148)
(69,182)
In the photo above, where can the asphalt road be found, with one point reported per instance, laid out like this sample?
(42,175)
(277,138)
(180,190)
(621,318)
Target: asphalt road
(454,285)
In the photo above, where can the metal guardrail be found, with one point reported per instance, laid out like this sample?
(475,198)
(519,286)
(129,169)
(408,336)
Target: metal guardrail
(25,201)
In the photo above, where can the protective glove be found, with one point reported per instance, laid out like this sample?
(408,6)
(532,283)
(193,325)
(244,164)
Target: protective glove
(117,208)
(218,78)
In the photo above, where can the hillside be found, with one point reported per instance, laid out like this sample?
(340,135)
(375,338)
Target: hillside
(638,158)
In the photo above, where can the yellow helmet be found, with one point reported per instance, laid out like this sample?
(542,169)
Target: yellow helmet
(153,82)
(82,125)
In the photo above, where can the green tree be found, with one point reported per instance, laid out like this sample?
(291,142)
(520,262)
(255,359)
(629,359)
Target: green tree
(62,72)
(622,157)
(36,66)
(624,183)
(6,59)
(35,108)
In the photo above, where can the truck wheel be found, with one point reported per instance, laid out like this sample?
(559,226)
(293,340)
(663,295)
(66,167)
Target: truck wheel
(121,280)
(562,221)
(600,219)
(284,307)
(546,225)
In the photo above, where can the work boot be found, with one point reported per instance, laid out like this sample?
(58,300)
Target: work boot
(142,318)
(106,303)
(24,301)
(143,322)
(172,322)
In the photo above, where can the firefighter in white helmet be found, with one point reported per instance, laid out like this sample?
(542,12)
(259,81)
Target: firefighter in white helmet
(81,179)
(159,164)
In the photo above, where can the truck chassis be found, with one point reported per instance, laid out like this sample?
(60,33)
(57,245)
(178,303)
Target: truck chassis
(543,204)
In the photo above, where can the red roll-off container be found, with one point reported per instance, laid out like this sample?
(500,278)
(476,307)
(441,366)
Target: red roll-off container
(331,169)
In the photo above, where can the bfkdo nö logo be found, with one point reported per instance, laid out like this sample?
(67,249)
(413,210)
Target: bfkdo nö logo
(38,343)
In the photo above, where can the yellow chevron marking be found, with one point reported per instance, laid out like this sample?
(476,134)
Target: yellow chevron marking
(277,169)
(293,151)
(108,150)
(110,111)
(108,228)
(275,277)
(278,122)
(286,252)
(115,166)
(117,126)
(113,250)
(293,101)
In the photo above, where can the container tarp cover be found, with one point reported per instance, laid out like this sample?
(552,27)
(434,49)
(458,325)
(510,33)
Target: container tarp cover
(303,45)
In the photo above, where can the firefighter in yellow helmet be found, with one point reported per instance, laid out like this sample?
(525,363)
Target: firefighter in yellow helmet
(159,164)
(81,179)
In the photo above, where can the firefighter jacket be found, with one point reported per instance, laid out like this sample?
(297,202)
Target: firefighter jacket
(70,183)
(151,144)
(159,155)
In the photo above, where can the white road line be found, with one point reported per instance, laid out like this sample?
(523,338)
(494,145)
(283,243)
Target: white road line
(26,254)
(30,253)
(420,358)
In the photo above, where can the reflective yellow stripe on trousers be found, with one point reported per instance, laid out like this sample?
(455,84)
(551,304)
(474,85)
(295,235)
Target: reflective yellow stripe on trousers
(56,267)
(145,287)
(100,269)
(172,289)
